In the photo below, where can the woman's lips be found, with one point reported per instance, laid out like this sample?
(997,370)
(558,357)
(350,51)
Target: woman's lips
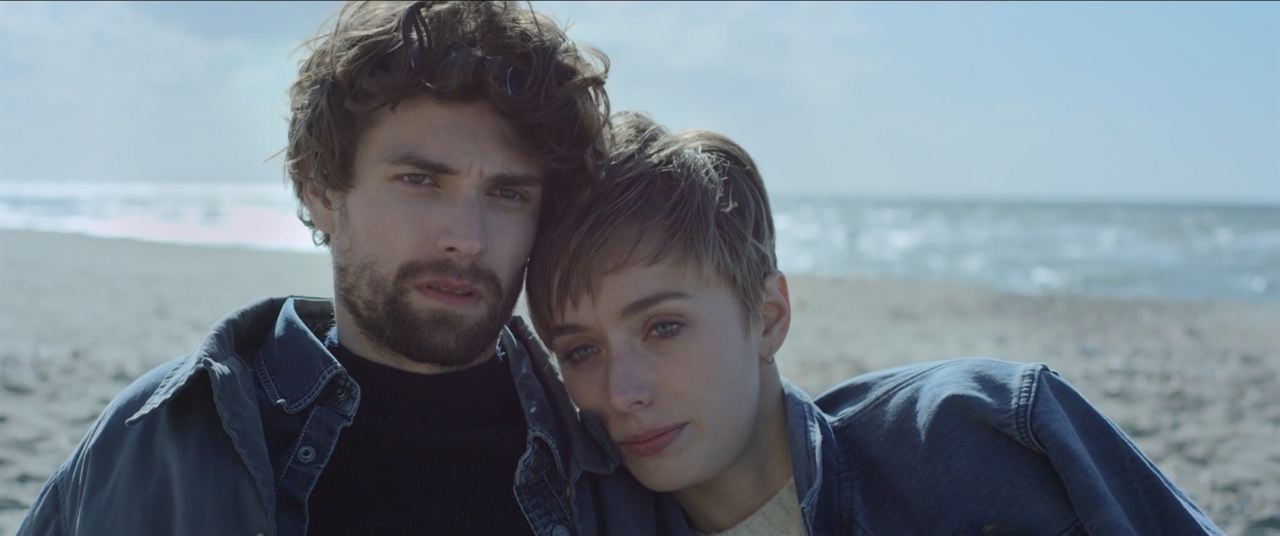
(652,442)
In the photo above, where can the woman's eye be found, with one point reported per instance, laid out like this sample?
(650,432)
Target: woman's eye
(666,330)
(578,354)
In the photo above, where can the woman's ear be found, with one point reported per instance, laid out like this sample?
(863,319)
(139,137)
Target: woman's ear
(775,311)
(320,205)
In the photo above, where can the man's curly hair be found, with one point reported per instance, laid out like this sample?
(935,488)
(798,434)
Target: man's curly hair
(381,53)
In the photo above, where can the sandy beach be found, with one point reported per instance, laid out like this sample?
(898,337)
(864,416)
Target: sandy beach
(1195,384)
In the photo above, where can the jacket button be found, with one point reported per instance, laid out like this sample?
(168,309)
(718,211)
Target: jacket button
(560,530)
(340,394)
(306,454)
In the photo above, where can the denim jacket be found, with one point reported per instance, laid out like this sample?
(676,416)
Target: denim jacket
(231,440)
(973,446)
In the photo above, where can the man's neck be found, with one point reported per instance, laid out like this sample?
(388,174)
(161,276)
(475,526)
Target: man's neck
(355,339)
(750,481)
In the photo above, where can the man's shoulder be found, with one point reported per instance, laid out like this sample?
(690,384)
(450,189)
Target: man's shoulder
(167,411)
(952,438)
(153,389)
(130,401)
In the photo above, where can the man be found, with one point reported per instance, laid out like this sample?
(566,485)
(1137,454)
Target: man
(427,142)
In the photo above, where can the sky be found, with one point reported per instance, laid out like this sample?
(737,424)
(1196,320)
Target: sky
(1164,102)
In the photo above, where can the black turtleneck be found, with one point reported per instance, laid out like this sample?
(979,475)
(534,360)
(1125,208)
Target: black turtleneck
(426,454)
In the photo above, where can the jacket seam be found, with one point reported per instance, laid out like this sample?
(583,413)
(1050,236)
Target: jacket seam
(1025,404)
(268,384)
(900,385)
(70,467)
(1075,527)
(325,376)
(237,440)
(813,419)
(153,401)
(564,509)
(59,492)
(293,452)
(846,476)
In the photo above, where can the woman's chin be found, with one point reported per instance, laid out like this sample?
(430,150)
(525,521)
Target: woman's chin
(660,476)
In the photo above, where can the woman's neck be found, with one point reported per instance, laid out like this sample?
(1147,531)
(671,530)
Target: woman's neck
(762,469)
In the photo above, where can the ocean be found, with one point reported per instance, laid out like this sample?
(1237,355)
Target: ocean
(1140,251)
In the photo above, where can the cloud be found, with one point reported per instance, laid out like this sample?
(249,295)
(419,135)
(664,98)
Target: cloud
(71,48)
(802,51)
(108,90)
(778,78)
(894,99)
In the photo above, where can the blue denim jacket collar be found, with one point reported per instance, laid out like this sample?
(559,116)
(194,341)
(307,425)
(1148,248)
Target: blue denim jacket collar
(233,391)
(813,460)
(545,401)
(276,345)
(295,369)
(218,347)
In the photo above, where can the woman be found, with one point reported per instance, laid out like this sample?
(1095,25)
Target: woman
(660,296)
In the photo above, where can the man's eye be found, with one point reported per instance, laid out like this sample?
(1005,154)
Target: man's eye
(418,179)
(510,194)
(578,354)
(666,330)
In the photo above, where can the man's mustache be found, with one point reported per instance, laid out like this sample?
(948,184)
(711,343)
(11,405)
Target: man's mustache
(481,278)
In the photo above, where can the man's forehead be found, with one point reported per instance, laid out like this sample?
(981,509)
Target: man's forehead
(457,134)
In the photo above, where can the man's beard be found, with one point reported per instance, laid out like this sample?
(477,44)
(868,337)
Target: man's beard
(381,309)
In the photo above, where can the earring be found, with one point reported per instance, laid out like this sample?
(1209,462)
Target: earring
(769,360)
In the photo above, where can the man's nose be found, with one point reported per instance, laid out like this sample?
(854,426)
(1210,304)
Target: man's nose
(463,234)
(630,382)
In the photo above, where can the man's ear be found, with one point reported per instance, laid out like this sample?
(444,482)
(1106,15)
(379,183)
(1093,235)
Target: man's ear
(322,204)
(775,311)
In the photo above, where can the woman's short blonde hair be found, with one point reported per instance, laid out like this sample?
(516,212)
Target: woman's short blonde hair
(692,197)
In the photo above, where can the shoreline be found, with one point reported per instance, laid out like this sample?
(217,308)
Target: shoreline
(1196,384)
(1258,298)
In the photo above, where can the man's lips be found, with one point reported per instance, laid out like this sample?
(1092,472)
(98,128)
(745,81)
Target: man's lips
(449,291)
(651,442)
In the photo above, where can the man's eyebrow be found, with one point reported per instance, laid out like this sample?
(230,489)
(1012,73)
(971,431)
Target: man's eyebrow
(526,180)
(407,157)
(411,158)
(638,306)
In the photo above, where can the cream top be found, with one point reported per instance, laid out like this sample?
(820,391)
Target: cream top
(780,516)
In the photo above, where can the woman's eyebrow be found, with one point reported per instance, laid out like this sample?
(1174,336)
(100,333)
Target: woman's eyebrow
(555,332)
(634,308)
(638,306)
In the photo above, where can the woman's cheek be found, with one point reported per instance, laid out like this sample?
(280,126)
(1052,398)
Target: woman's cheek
(578,388)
